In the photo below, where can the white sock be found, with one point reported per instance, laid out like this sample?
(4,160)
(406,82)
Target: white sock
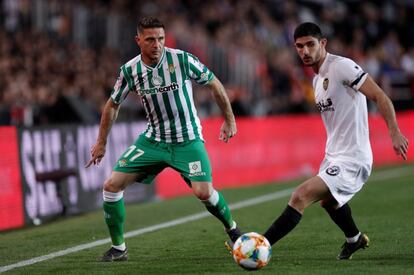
(233,226)
(353,239)
(121,247)
(111,196)
(213,200)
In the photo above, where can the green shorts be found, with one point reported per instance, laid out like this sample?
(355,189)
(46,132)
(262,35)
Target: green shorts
(149,157)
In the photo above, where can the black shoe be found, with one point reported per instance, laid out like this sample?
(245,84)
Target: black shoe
(350,248)
(234,234)
(114,254)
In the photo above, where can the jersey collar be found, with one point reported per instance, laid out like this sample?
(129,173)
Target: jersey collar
(322,68)
(158,64)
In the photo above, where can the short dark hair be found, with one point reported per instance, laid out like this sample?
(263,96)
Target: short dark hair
(308,29)
(149,23)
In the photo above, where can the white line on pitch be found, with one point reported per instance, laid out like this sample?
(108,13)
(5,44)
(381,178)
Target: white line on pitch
(378,176)
(186,219)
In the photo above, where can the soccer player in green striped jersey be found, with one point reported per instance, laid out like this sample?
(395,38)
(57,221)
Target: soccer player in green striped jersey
(162,77)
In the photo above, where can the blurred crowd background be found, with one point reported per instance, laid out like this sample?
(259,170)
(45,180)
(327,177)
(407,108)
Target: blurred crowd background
(59,59)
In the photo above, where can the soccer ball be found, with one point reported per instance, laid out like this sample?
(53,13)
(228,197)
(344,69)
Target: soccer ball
(252,251)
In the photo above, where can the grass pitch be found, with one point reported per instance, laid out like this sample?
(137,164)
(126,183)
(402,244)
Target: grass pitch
(383,210)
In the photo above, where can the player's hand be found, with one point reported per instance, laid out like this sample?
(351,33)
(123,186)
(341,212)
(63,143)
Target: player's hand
(227,131)
(400,144)
(97,153)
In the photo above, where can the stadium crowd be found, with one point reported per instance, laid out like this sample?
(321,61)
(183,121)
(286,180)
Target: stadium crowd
(52,51)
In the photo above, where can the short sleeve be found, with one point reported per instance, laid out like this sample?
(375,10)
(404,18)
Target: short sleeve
(198,71)
(120,90)
(350,73)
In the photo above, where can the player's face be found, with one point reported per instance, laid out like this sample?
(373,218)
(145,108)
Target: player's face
(310,49)
(151,42)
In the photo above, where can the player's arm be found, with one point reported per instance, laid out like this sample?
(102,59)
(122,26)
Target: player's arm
(229,128)
(109,115)
(372,91)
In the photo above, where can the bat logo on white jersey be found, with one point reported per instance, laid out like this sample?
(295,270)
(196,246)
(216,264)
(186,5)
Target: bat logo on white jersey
(333,170)
(325,84)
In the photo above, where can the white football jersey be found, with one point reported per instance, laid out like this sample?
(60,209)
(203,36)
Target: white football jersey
(343,109)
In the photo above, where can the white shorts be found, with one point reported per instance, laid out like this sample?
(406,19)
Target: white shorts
(344,178)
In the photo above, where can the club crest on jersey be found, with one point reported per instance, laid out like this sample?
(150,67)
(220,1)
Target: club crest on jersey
(333,170)
(171,68)
(156,80)
(325,84)
(122,163)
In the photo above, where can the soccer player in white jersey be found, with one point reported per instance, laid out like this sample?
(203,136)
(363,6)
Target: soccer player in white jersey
(341,88)
(162,77)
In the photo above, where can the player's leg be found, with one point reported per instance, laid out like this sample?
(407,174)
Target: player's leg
(192,161)
(139,163)
(314,189)
(344,180)
(217,206)
(114,213)
(342,216)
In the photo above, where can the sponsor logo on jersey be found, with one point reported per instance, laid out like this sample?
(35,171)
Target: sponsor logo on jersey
(204,77)
(325,84)
(333,170)
(163,89)
(325,105)
(195,169)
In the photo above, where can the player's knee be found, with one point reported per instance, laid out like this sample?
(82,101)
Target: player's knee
(212,199)
(202,191)
(298,199)
(201,194)
(110,185)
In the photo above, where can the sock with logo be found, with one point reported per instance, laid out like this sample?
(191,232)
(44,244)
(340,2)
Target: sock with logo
(218,207)
(283,225)
(343,219)
(114,210)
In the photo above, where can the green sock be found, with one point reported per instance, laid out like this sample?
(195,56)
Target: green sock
(114,218)
(221,211)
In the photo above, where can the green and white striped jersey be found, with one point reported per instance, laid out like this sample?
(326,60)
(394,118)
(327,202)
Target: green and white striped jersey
(166,93)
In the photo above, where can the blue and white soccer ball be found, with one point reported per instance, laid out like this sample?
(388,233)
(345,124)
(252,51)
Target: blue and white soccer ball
(252,251)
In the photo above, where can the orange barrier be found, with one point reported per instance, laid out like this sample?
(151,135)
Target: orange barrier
(11,202)
(277,148)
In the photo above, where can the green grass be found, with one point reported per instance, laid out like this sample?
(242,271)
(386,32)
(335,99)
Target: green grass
(383,209)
